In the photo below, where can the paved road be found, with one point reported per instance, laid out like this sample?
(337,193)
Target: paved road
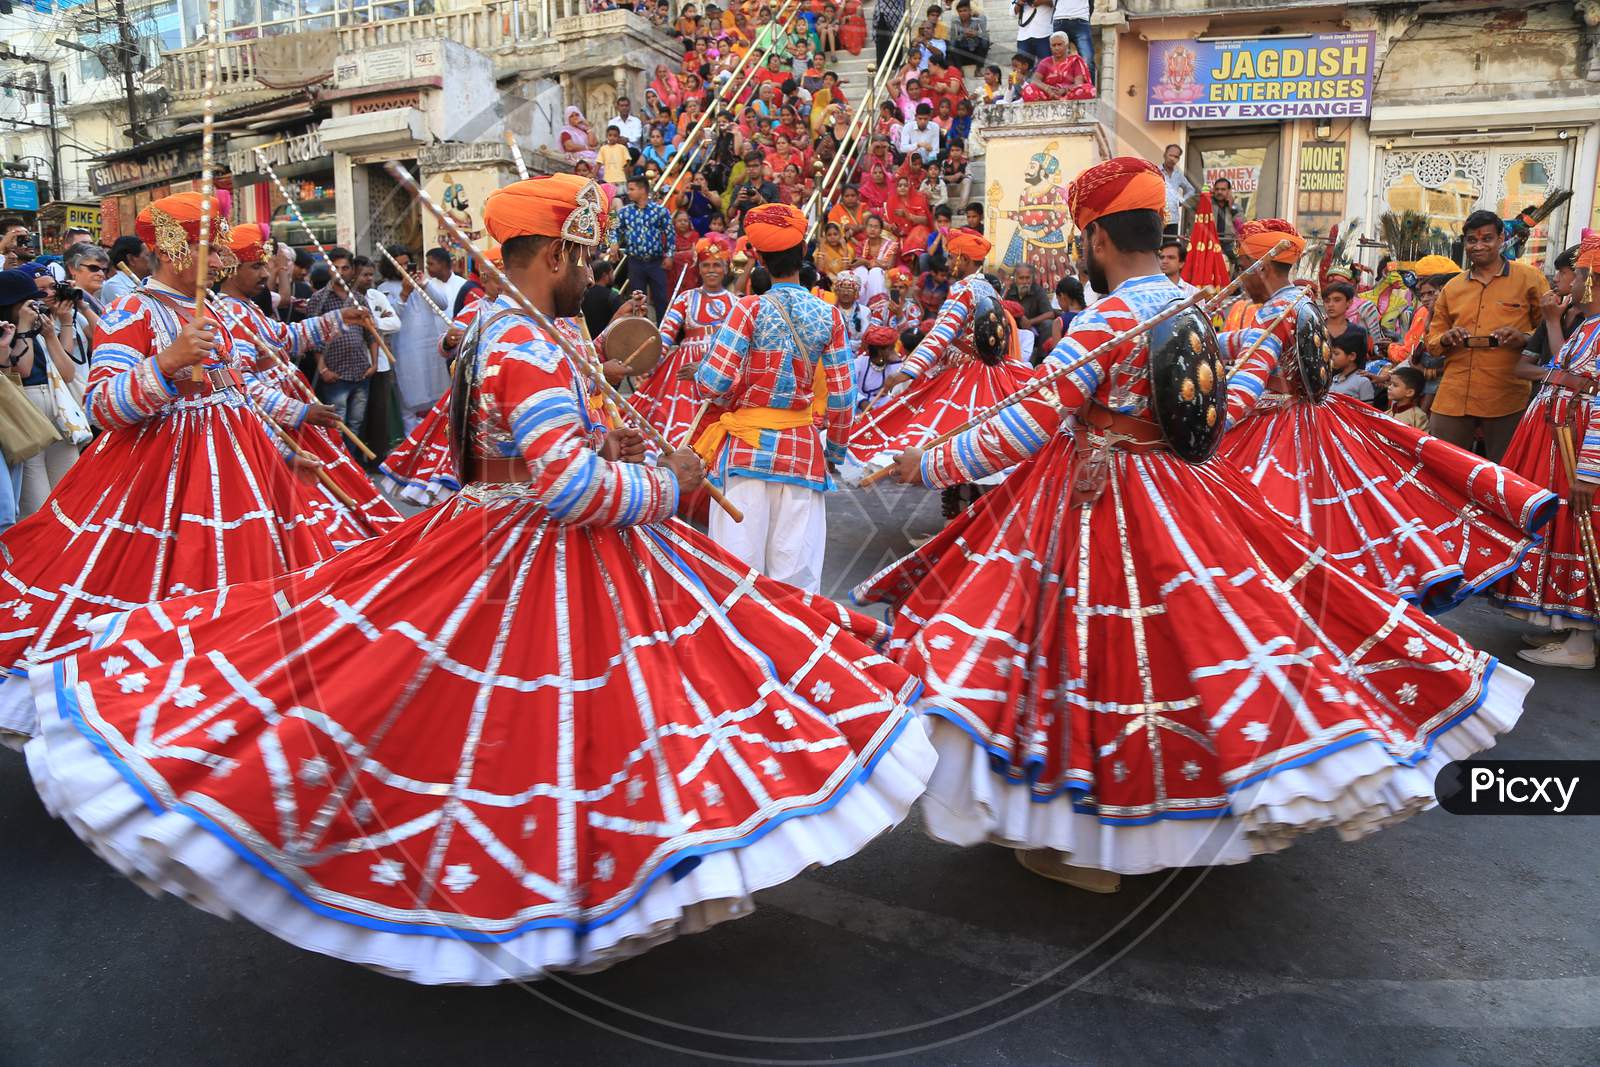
(1442,941)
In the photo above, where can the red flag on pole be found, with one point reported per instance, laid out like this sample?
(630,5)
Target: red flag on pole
(1205,263)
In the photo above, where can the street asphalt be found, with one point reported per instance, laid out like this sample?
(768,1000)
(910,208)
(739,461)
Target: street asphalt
(1446,940)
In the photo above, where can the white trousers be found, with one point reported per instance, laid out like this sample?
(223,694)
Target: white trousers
(784,532)
(41,473)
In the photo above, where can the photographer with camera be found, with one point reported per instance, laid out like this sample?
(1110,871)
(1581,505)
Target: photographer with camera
(38,318)
(16,243)
(88,267)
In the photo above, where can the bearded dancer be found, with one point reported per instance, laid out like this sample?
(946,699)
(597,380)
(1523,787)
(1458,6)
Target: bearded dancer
(1132,664)
(779,362)
(667,398)
(966,361)
(1413,514)
(550,726)
(185,491)
(1555,588)
(273,364)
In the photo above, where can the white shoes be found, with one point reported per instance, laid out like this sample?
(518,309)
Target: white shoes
(1046,863)
(1561,654)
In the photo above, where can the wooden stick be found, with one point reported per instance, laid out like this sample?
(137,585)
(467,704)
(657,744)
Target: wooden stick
(1045,380)
(333,275)
(422,290)
(208,184)
(688,435)
(401,175)
(306,392)
(1582,519)
(1270,328)
(516,156)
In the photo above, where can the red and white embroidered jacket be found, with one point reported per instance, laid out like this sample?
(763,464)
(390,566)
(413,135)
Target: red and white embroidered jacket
(950,339)
(695,316)
(126,386)
(531,401)
(1248,382)
(1115,379)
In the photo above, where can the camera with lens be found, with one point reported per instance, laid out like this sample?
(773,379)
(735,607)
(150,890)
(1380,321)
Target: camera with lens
(67,293)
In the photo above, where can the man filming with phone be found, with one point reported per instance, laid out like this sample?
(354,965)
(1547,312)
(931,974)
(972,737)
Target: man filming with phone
(1481,321)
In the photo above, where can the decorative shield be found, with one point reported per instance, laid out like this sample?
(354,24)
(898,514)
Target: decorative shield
(1310,369)
(633,341)
(1188,385)
(991,330)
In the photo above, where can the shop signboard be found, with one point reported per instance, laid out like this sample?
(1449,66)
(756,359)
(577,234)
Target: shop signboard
(1315,75)
(20,194)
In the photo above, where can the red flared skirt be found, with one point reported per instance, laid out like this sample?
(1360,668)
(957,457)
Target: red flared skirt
(1172,676)
(1410,513)
(192,500)
(485,746)
(1554,579)
(666,403)
(420,469)
(931,407)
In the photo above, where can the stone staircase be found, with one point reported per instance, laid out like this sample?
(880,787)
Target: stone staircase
(855,73)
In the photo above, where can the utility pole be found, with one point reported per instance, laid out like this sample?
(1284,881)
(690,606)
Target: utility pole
(128,51)
(49,94)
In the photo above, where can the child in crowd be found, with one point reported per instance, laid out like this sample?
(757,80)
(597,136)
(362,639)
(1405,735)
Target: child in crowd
(1349,349)
(1405,395)
(975,216)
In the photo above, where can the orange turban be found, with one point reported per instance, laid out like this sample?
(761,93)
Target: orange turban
(1121,184)
(1589,251)
(1258,237)
(775,227)
(969,243)
(899,274)
(494,255)
(247,242)
(172,224)
(1433,264)
(563,206)
(711,248)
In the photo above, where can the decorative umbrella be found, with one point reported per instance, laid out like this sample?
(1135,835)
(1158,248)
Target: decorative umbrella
(1205,264)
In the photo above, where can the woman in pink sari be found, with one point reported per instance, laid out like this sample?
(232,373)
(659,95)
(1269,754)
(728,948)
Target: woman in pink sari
(1061,75)
(875,188)
(575,138)
(668,89)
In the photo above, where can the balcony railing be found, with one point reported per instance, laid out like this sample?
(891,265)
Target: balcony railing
(499,25)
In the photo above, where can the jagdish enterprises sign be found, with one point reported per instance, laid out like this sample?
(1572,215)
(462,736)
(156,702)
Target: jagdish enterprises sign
(1320,75)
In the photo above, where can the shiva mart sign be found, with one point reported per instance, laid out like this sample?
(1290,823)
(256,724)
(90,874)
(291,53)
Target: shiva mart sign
(1315,75)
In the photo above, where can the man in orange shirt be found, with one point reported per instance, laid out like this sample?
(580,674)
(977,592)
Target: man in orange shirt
(1481,321)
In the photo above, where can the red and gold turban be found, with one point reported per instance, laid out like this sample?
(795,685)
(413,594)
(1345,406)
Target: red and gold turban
(247,242)
(711,247)
(1259,236)
(881,337)
(171,225)
(1589,251)
(1117,185)
(775,227)
(563,206)
(967,242)
(898,274)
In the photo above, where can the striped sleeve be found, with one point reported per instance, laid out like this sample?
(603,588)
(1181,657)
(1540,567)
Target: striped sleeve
(273,402)
(1249,380)
(535,387)
(836,369)
(125,386)
(947,326)
(1013,435)
(672,322)
(723,365)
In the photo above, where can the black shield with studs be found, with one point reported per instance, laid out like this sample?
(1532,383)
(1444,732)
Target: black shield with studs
(991,330)
(1310,372)
(1188,384)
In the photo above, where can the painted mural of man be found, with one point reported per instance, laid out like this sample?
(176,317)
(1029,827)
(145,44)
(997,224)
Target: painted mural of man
(1041,237)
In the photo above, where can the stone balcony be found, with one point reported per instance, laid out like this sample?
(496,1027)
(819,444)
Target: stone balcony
(542,37)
